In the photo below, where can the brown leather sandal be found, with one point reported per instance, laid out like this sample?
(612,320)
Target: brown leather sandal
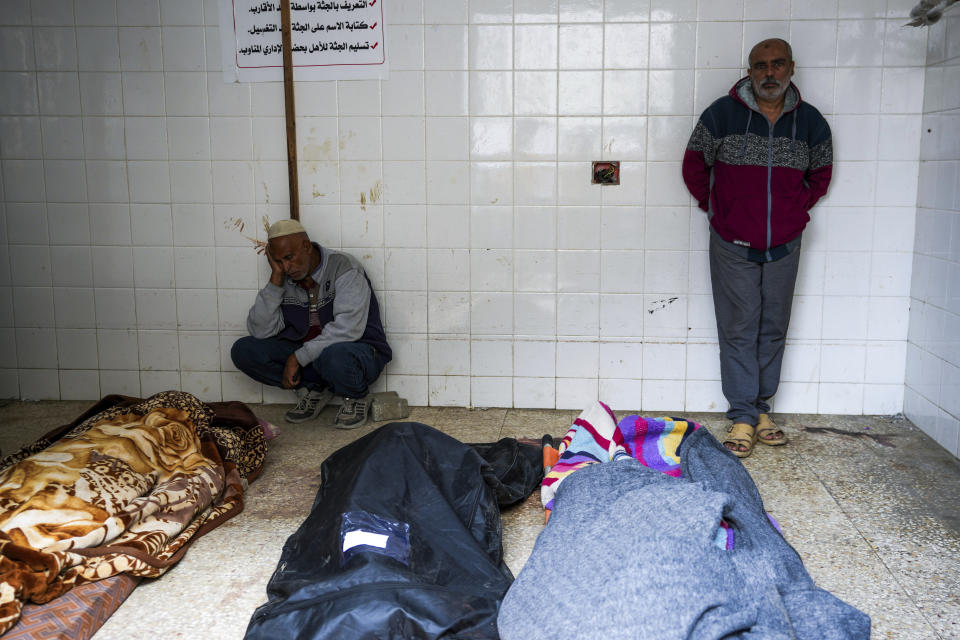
(741,434)
(767,426)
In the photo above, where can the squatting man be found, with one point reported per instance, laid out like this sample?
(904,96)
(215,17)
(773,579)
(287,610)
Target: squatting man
(315,327)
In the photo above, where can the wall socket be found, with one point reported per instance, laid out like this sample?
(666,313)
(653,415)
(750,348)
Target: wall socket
(606,172)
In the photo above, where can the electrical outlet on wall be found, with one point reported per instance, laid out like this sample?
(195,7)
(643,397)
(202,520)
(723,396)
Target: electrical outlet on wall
(606,172)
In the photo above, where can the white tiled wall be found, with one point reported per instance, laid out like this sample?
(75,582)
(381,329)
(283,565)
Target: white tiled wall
(932,399)
(132,175)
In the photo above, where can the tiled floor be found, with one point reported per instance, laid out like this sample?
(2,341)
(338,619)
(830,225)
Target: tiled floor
(871,503)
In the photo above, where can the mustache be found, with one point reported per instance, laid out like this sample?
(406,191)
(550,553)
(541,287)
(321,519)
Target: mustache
(763,86)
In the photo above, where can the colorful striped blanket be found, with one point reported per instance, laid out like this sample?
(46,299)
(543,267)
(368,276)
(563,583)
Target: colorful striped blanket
(596,437)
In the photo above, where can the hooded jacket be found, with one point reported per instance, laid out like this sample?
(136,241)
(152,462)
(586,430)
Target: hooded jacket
(765,177)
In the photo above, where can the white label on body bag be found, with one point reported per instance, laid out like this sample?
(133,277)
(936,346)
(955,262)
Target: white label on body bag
(355,538)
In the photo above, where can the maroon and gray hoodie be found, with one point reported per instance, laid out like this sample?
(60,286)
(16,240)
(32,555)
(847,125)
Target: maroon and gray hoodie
(765,178)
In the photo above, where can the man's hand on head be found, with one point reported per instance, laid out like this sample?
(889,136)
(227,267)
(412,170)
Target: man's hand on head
(291,372)
(276,269)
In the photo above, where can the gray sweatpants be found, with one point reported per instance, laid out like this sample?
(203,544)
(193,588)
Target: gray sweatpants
(752,302)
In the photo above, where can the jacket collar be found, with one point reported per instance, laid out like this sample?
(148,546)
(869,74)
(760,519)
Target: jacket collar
(742,92)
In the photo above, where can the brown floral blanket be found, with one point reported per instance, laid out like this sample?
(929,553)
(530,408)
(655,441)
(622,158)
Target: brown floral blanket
(124,489)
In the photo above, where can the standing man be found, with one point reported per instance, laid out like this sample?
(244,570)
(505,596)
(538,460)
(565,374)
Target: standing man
(315,327)
(771,159)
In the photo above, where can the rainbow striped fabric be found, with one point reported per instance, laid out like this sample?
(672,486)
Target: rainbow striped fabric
(592,438)
(654,442)
(595,436)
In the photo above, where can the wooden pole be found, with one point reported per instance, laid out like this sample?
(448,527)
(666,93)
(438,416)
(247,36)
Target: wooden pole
(289,109)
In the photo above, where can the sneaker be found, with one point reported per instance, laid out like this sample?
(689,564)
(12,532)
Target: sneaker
(353,412)
(310,405)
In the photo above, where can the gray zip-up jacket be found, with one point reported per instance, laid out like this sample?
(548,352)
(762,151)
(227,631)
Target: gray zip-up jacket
(348,309)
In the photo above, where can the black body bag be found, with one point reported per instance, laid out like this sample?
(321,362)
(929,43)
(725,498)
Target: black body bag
(403,541)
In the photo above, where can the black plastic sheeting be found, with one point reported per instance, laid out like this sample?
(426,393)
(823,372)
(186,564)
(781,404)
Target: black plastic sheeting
(513,469)
(403,541)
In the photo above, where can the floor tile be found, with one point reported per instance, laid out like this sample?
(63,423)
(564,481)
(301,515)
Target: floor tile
(534,423)
(522,523)
(25,421)
(944,616)
(921,551)
(853,573)
(796,496)
(810,527)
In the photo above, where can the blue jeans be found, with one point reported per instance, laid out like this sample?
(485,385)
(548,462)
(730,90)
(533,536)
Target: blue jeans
(348,368)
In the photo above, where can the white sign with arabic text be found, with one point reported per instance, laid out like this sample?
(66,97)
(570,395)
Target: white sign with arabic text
(332,40)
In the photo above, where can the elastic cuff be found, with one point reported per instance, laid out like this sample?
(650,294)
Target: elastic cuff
(302,355)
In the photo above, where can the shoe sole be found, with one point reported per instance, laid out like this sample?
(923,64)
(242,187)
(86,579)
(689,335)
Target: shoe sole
(350,426)
(299,420)
(308,418)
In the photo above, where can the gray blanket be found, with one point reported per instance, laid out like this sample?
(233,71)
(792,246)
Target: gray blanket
(629,553)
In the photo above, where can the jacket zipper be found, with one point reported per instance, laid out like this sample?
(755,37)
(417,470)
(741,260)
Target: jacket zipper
(770,127)
(770,185)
